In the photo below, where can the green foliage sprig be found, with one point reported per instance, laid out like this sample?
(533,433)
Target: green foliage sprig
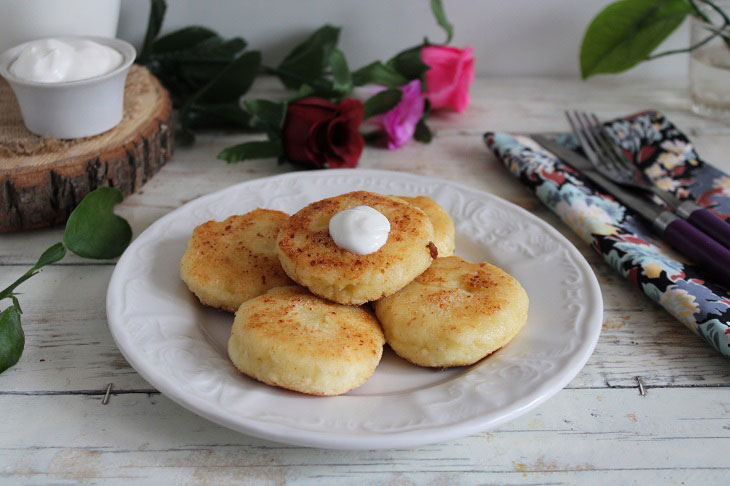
(207,75)
(92,231)
(204,73)
(628,32)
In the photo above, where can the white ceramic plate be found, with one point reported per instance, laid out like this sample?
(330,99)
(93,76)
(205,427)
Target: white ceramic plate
(179,346)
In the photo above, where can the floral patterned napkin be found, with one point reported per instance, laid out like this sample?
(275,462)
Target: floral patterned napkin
(625,241)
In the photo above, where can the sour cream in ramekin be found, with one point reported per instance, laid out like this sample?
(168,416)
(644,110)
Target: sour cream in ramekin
(69,87)
(59,61)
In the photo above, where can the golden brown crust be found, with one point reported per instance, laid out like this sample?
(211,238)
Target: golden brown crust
(310,256)
(292,339)
(453,314)
(229,262)
(443,225)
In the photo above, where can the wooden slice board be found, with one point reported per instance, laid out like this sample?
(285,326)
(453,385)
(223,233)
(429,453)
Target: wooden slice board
(42,179)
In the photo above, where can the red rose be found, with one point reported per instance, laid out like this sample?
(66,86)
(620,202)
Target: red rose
(323,134)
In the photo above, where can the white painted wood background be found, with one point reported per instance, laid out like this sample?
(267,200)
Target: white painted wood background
(510,38)
(598,430)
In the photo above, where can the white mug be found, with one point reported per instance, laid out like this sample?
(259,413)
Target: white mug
(26,20)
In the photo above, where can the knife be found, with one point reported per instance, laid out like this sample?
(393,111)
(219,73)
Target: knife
(699,217)
(693,243)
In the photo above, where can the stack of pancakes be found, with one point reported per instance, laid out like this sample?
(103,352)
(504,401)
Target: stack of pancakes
(302,316)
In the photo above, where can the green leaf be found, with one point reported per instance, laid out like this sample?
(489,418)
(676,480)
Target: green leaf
(93,230)
(440,14)
(233,82)
(182,39)
(195,75)
(374,138)
(321,86)
(340,72)
(304,91)
(382,102)
(626,32)
(154,23)
(423,133)
(185,66)
(51,255)
(308,60)
(16,303)
(200,115)
(378,73)
(214,50)
(251,150)
(12,338)
(266,115)
(409,64)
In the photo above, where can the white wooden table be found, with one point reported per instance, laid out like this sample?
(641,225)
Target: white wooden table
(598,430)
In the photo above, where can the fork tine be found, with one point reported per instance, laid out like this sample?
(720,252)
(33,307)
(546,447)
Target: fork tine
(625,172)
(605,155)
(587,127)
(589,136)
(581,137)
(606,147)
(615,153)
(614,149)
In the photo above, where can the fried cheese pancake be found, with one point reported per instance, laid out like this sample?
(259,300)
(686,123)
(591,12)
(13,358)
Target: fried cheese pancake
(454,314)
(443,225)
(295,340)
(229,262)
(310,256)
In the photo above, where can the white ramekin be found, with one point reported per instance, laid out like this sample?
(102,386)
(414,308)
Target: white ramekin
(71,109)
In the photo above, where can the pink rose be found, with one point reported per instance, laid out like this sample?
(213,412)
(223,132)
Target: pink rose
(399,124)
(449,77)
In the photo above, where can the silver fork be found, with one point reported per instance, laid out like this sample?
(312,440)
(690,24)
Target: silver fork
(610,161)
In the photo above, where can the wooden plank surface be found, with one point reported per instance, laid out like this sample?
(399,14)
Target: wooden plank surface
(599,430)
(579,436)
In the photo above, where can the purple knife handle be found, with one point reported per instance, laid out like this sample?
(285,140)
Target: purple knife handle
(703,250)
(711,224)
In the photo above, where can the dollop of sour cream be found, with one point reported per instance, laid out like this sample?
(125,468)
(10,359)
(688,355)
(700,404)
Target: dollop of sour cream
(361,230)
(56,61)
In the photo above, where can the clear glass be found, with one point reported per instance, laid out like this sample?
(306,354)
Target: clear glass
(709,67)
